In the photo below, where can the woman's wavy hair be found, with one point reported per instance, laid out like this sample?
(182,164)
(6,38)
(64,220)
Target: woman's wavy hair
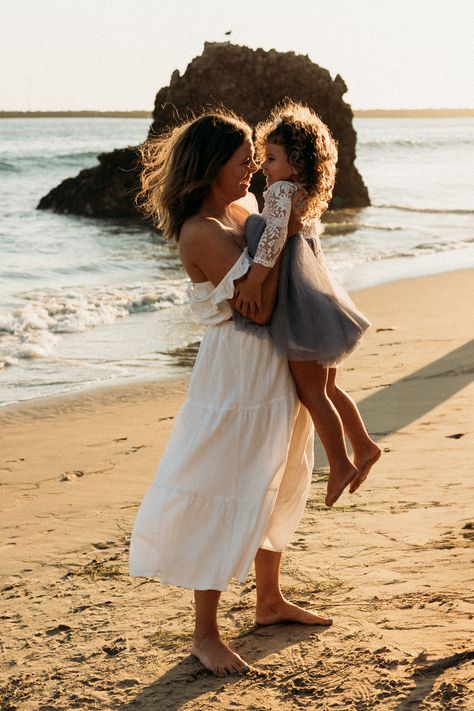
(310,149)
(180,165)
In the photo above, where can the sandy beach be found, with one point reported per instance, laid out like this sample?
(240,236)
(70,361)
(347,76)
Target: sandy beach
(392,564)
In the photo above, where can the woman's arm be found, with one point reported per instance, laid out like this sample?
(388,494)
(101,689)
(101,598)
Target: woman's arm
(269,292)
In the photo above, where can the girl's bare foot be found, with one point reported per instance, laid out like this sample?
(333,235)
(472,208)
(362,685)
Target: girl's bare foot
(364,463)
(217,656)
(338,480)
(284,611)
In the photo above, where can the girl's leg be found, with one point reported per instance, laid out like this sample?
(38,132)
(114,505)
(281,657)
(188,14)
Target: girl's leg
(271,605)
(208,646)
(366,451)
(311,379)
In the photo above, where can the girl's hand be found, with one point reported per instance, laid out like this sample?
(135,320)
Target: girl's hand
(248,298)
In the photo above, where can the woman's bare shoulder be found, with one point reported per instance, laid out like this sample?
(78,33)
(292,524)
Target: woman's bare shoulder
(206,248)
(199,229)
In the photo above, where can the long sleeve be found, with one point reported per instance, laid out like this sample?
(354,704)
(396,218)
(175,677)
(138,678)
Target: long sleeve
(277,214)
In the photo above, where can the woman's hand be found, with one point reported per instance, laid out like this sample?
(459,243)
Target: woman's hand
(248,298)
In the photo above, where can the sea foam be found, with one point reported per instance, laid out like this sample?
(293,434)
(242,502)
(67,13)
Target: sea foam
(32,330)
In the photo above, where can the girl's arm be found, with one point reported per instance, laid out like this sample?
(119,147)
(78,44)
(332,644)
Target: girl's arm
(277,214)
(278,206)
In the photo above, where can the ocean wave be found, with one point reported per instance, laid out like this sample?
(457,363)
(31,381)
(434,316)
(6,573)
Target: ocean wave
(428,210)
(32,329)
(449,141)
(434,248)
(26,162)
(80,155)
(6,167)
(335,228)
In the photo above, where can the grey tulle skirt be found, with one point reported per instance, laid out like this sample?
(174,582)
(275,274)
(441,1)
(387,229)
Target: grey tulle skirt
(314,318)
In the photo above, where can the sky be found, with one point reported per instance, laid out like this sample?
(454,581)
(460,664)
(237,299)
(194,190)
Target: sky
(116,54)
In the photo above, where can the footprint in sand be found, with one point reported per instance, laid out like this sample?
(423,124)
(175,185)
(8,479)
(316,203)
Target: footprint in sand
(300,544)
(468,531)
(127,683)
(57,630)
(115,647)
(135,448)
(103,546)
(80,608)
(70,475)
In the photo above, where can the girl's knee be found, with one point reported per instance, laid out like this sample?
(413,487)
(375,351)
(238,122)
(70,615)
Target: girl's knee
(314,397)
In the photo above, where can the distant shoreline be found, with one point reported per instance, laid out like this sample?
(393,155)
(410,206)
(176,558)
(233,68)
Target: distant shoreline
(76,114)
(414,113)
(358,113)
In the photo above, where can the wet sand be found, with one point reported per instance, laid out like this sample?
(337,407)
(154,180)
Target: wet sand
(392,564)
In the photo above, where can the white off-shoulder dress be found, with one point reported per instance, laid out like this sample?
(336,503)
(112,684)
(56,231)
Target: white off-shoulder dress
(236,471)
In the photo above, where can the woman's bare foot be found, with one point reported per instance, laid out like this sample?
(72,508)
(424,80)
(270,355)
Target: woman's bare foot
(364,463)
(284,611)
(217,656)
(338,480)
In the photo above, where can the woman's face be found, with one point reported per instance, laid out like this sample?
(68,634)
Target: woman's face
(233,179)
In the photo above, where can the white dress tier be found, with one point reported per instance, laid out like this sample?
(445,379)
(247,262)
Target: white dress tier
(236,471)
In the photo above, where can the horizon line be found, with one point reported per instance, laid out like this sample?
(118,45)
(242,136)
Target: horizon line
(141,113)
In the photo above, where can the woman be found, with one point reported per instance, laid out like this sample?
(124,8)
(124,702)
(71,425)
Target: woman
(233,481)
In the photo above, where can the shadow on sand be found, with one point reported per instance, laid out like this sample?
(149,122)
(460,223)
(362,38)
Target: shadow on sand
(403,402)
(192,680)
(425,678)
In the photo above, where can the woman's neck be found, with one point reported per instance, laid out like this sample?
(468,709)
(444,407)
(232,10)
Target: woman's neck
(215,204)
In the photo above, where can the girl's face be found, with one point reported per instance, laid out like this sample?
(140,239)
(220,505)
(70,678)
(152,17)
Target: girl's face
(275,166)
(233,179)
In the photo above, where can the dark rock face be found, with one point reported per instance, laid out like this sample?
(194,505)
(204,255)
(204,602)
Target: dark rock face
(250,82)
(106,190)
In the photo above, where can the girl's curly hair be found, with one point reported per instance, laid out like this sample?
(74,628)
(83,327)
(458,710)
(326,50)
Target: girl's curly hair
(310,149)
(180,165)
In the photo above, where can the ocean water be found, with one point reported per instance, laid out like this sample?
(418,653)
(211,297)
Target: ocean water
(86,302)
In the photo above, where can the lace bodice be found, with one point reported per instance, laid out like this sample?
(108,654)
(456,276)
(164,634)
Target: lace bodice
(209,302)
(276,213)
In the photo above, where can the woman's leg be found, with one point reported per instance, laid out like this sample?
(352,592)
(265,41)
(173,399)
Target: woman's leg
(366,451)
(271,605)
(208,646)
(310,379)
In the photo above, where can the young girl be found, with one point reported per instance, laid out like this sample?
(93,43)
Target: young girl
(314,324)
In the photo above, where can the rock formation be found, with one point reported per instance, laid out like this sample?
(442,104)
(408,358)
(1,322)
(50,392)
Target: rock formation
(248,81)
(105,190)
